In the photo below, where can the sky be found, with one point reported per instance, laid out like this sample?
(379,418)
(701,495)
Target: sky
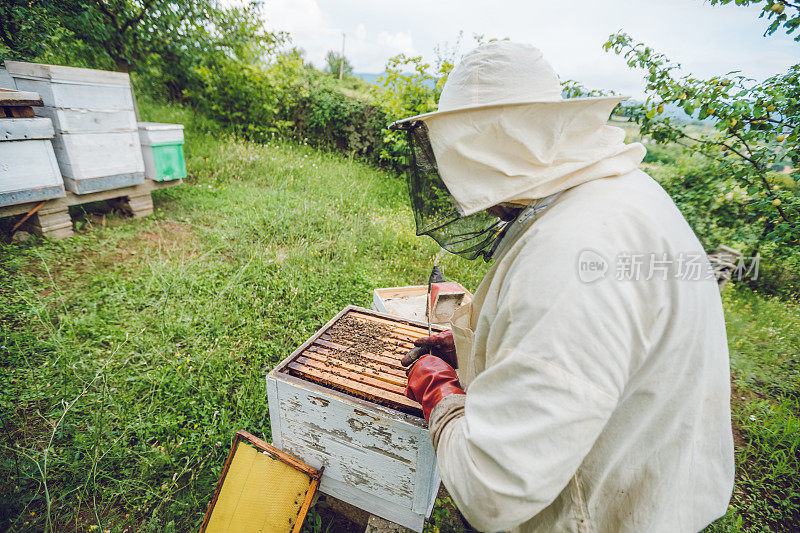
(706,40)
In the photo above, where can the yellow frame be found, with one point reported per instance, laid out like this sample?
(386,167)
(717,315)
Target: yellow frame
(295,463)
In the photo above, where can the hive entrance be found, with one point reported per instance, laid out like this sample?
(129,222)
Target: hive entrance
(359,354)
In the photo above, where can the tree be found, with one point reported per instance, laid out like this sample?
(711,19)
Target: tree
(127,31)
(756,125)
(774,11)
(29,27)
(169,39)
(333,62)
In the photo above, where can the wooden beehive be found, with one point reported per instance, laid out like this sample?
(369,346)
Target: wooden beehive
(28,168)
(162,148)
(96,141)
(338,401)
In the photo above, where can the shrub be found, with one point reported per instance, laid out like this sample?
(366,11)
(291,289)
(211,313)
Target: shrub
(290,99)
(719,212)
(237,95)
(342,122)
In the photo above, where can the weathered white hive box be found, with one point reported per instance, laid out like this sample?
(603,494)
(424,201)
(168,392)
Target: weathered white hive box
(411,302)
(28,168)
(96,140)
(338,401)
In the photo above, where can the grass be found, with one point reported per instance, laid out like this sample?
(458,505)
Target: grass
(764,343)
(132,352)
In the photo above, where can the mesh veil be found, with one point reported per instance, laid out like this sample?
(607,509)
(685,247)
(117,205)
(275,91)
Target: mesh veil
(435,211)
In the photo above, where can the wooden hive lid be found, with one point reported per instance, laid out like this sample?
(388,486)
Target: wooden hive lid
(19,69)
(12,98)
(358,353)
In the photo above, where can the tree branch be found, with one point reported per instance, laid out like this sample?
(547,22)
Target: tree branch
(752,161)
(718,143)
(768,119)
(763,177)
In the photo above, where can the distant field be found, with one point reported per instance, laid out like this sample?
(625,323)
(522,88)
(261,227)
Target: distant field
(131,353)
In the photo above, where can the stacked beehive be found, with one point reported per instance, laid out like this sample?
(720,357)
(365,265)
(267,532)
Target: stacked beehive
(96,140)
(28,168)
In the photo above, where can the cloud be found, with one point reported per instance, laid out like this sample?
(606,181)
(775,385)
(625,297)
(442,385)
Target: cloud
(707,40)
(316,34)
(400,42)
(304,20)
(295,16)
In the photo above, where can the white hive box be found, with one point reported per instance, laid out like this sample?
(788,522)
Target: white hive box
(92,162)
(160,133)
(162,148)
(78,100)
(84,121)
(28,168)
(411,302)
(338,402)
(96,141)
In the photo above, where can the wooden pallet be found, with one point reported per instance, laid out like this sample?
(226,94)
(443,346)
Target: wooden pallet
(359,354)
(52,219)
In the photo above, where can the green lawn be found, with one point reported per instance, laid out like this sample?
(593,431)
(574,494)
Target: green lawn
(132,352)
(764,343)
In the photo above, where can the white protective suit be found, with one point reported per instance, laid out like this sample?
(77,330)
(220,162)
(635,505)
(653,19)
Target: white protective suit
(594,402)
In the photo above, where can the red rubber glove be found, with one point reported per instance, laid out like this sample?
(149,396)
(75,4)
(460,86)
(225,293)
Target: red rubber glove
(440,345)
(430,380)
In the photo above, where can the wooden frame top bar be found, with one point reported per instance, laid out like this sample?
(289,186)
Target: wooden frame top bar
(358,353)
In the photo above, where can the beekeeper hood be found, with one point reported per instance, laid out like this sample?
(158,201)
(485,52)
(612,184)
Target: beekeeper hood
(504,134)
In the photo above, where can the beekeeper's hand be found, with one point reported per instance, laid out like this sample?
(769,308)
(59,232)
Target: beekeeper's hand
(441,345)
(429,380)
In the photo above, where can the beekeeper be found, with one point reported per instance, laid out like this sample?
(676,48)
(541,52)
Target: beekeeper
(592,385)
